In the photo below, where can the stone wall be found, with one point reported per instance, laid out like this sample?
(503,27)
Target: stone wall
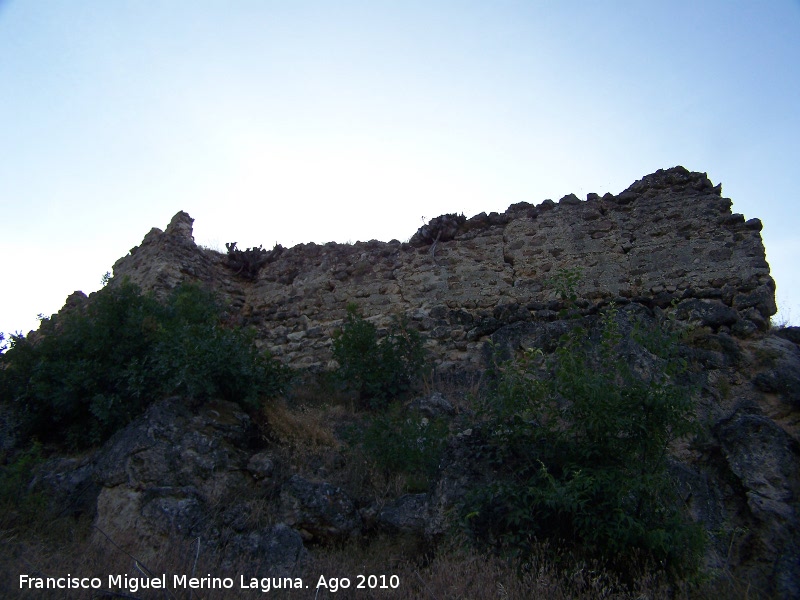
(669,238)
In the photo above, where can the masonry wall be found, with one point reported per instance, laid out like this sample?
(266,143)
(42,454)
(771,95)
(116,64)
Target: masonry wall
(669,240)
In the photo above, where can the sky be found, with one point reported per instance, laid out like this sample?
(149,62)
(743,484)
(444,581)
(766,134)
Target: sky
(298,121)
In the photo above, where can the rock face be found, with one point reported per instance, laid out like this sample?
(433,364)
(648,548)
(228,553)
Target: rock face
(669,237)
(182,472)
(319,509)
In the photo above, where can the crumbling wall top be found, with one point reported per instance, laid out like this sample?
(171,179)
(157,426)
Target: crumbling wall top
(669,238)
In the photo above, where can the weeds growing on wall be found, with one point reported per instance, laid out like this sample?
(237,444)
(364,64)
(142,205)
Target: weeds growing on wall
(579,440)
(378,370)
(93,369)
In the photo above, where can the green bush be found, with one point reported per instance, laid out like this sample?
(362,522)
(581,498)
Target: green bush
(579,443)
(94,368)
(399,442)
(378,370)
(199,357)
(15,475)
(18,504)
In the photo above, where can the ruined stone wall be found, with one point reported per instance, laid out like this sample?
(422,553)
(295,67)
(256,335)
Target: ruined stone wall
(669,238)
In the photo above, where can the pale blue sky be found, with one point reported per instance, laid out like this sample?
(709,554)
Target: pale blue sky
(300,121)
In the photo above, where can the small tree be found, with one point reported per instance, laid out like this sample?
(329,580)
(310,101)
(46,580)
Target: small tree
(579,441)
(378,370)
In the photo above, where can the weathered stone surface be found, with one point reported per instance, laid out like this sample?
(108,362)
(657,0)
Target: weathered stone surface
(261,465)
(69,484)
(320,510)
(180,227)
(711,313)
(273,552)
(178,471)
(789,333)
(765,458)
(668,236)
(407,514)
(440,229)
(766,461)
(433,405)
(173,510)
(460,471)
(782,373)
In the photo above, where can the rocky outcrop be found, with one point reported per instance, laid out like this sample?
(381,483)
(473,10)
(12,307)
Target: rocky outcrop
(180,472)
(668,238)
(319,510)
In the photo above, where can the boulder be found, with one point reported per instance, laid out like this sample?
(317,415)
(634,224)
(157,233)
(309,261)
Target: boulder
(69,484)
(261,465)
(709,313)
(766,462)
(782,375)
(789,333)
(276,551)
(433,405)
(179,471)
(407,514)
(319,510)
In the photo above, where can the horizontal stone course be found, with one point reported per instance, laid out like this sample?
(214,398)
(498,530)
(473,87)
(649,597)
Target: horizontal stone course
(669,237)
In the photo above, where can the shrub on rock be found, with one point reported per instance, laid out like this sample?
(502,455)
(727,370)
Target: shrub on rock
(378,370)
(91,369)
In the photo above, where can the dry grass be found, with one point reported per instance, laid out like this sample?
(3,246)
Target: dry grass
(461,390)
(456,573)
(100,556)
(360,476)
(452,573)
(305,427)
